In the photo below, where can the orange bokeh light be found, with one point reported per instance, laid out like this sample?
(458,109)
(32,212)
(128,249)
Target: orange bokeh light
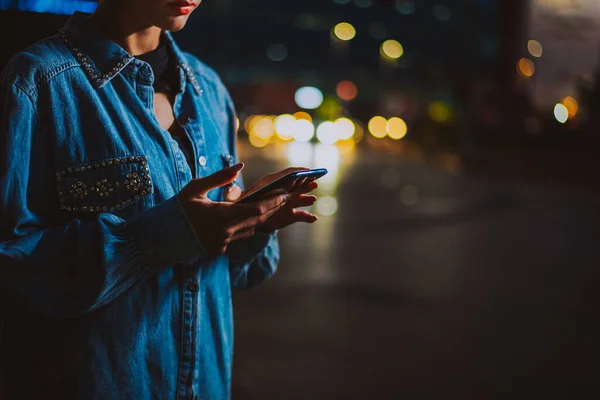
(347,90)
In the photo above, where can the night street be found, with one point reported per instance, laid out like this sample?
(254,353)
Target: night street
(424,284)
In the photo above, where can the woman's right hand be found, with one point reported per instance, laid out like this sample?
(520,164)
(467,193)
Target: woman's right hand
(219,223)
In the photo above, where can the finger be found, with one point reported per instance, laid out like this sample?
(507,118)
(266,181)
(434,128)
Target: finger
(306,188)
(302,201)
(304,216)
(201,186)
(244,234)
(252,222)
(260,207)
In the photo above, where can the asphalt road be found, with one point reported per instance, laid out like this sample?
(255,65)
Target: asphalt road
(424,285)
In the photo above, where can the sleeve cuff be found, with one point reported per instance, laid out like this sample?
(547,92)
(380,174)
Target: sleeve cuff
(165,236)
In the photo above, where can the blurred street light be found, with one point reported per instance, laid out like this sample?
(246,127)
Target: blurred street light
(308,97)
(277,52)
(377,127)
(303,130)
(284,126)
(344,31)
(535,48)
(328,132)
(346,128)
(346,90)
(392,49)
(440,112)
(396,128)
(561,113)
(405,7)
(572,106)
(526,67)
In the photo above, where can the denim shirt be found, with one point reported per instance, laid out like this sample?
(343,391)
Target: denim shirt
(106,291)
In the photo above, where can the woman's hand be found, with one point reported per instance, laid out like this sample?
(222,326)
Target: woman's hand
(287,213)
(217,224)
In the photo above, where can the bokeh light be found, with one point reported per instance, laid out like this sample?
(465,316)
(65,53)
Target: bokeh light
(392,49)
(440,112)
(303,115)
(328,132)
(442,13)
(284,126)
(257,141)
(303,130)
(299,153)
(405,7)
(526,67)
(363,3)
(347,90)
(346,128)
(409,195)
(561,113)
(377,127)
(262,127)
(344,31)
(277,52)
(572,105)
(308,97)
(535,48)
(396,128)
(326,205)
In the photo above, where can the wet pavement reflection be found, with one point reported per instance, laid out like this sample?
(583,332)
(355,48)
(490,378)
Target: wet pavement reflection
(417,283)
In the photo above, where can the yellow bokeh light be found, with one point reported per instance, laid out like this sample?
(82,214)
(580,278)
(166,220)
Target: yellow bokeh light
(359,133)
(440,112)
(346,128)
(396,128)
(250,122)
(526,67)
(262,127)
(377,127)
(535,48)
(303,115)
(257,141)
(344,31)
(284,126)
(572,105)
(392,49)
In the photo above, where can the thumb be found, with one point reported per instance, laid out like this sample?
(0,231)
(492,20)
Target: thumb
(201,186)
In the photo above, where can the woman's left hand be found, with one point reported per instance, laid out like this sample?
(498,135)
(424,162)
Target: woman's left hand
(289,213)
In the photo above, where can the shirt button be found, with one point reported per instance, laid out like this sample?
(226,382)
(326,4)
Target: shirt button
(202,161)
(193,286)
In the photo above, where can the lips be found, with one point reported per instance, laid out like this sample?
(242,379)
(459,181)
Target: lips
(183,7)
(183,4)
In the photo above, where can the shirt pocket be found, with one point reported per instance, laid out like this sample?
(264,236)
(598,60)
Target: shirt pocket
(107,185)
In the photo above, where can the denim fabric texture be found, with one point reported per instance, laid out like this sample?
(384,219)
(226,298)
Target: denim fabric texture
(106,291)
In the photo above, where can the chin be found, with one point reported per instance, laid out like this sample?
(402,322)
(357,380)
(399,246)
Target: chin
(174,24)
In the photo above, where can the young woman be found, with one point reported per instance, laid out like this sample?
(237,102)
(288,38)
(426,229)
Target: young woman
(119,242)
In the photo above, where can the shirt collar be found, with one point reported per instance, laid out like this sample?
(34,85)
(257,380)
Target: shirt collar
(102,59)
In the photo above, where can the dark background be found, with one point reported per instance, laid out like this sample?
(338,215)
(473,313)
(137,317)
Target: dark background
(458,262)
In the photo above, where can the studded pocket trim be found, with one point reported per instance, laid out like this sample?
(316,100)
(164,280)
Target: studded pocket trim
(104,185)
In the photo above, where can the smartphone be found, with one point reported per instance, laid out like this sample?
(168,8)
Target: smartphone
(285,184)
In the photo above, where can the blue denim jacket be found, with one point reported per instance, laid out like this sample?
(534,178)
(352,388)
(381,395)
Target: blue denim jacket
(106,290)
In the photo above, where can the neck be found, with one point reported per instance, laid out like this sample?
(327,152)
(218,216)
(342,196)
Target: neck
(133,36)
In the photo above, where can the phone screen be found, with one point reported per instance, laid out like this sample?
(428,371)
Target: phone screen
(285,184)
